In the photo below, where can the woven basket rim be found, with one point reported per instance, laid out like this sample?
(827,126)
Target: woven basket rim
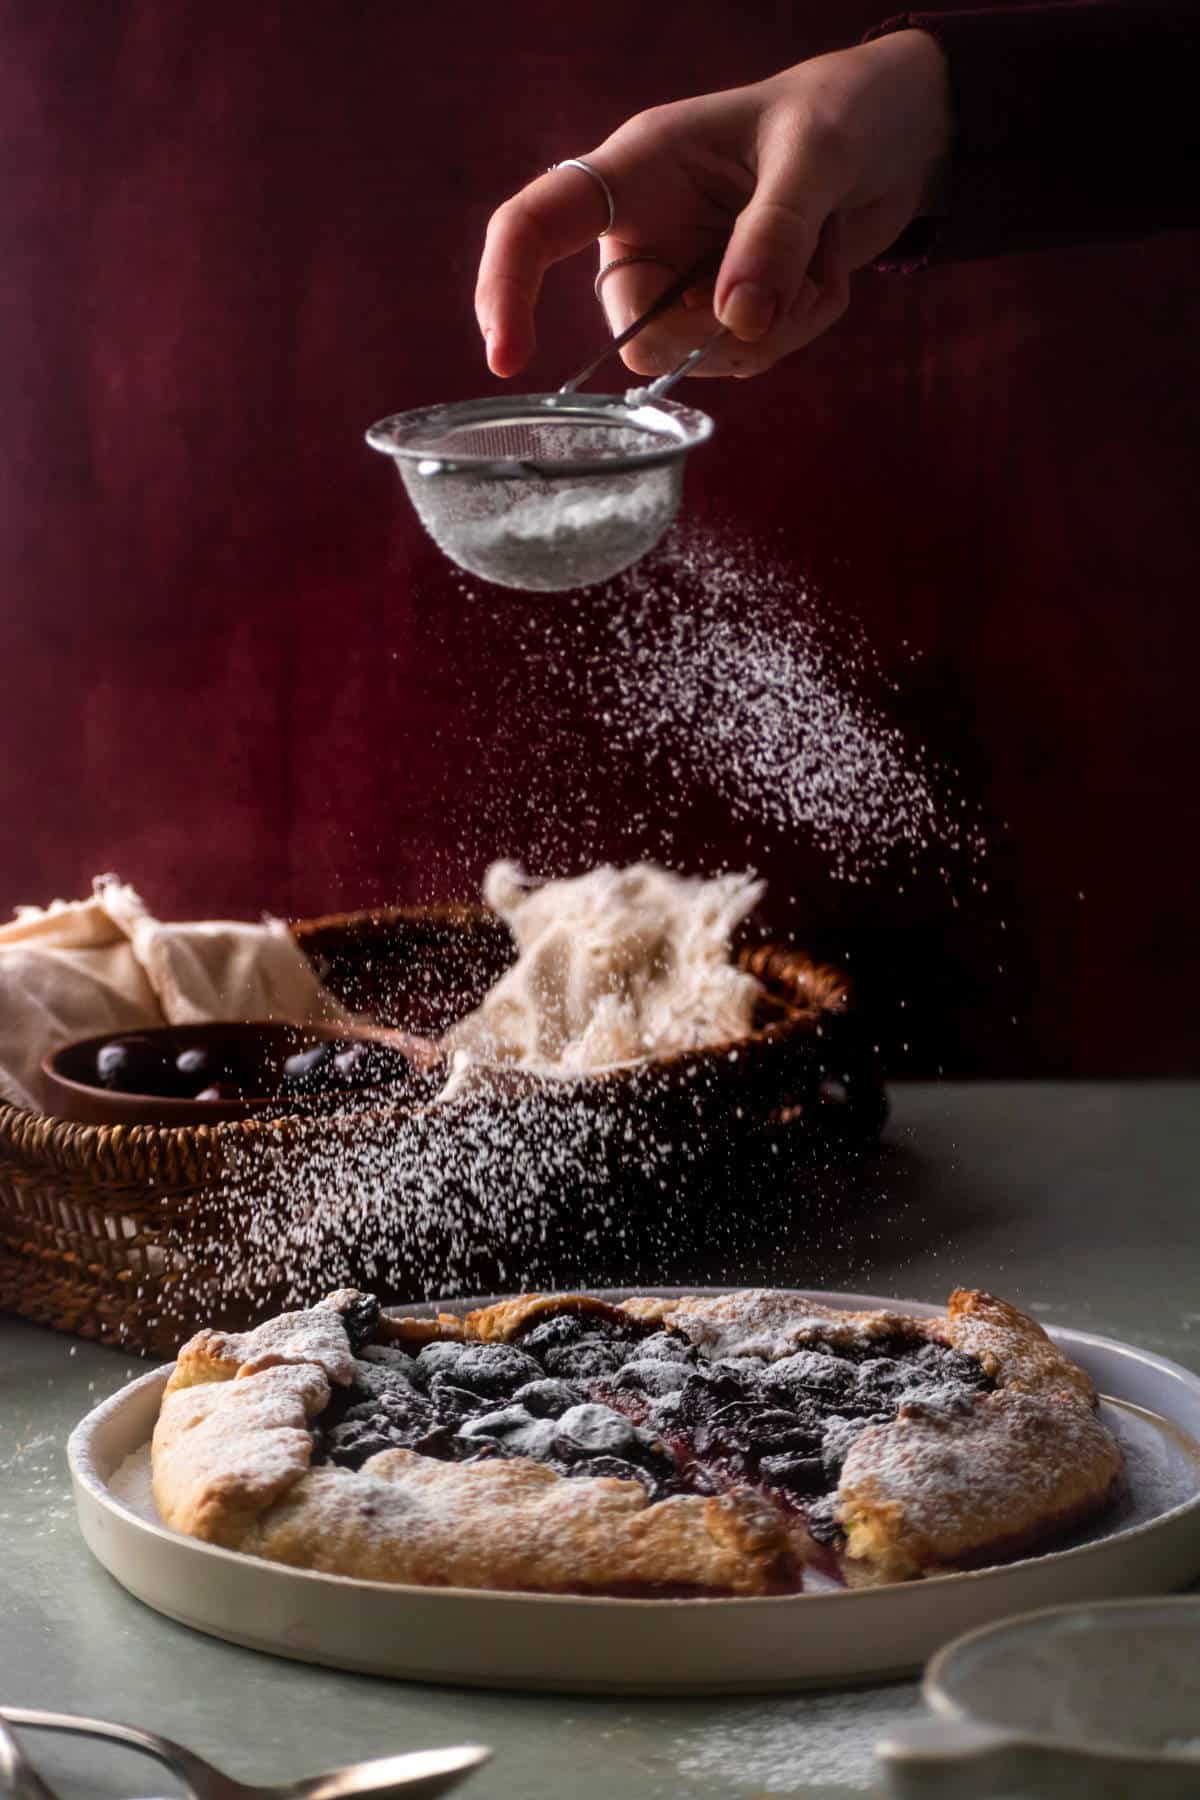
(773,956)
(449,912)
(39,1138)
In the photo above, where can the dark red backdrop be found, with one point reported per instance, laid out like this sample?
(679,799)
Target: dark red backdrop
(234,670)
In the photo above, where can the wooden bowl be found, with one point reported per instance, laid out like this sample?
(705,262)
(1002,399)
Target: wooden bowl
(259,1047)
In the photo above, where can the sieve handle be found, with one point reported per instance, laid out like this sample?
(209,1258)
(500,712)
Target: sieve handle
(664,384)
(957,1759)
(670,294)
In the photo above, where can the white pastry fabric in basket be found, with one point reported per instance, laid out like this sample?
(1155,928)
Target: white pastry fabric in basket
(1148,1544)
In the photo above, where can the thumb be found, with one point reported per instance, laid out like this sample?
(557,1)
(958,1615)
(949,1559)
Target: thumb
(764,272)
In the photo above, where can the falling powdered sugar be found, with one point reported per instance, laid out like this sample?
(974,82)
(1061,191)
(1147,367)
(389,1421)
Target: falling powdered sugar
(440,1200)
(717,675)
(739,683)
(706,675)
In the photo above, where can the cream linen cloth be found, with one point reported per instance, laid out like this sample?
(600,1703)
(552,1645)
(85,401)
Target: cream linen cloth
(612,966)
(78,968)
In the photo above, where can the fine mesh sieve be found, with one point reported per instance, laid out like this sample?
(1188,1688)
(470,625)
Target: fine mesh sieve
(550,491)
(544,491)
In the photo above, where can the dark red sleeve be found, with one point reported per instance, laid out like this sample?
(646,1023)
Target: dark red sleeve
(1073,122)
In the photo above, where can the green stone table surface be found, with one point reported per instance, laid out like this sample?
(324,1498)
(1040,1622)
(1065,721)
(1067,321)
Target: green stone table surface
(1077,1201)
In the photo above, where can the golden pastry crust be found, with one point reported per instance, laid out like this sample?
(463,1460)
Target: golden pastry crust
(944,1488)
(936,1491)
(315,1336)
(226,1449)
(1012,1348)
(952,1480)
(414,1334)
(515,1524)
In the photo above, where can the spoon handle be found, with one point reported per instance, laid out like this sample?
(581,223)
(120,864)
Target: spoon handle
(955,1759)
(19,1780)
(203,1781)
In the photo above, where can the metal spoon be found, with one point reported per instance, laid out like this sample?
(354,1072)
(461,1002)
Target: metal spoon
(19,1780)
(417,1775)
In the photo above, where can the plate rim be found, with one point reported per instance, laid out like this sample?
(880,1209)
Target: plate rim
(85,1476)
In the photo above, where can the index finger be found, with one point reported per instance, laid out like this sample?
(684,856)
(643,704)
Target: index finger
(561,212)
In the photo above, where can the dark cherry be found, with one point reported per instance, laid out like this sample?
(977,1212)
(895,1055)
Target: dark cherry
(499,1424)
(778,1428)
(671,1415)
(371,1378)
(593,1430)
(349,1061)
(667,1346)
(711,1386)
(943,1364)
(563,1328)
(454,1402)
(617,1468)
(220,1090)
(436,1358)
(882,1379)
(307,1071)
(351,1443)
(360,1065)
(810,1373)
(655,1378)
(590,1359)
(360,1318)
(821,1518)
(494,1370)
(839,1434)
(515,1431)
(473,1450)
(403,1407)
(386,1423)
(547,1398)
(196,1061)
(439,1441)
(742,1432)
(535,1440)
(134,1065)
(799,1474)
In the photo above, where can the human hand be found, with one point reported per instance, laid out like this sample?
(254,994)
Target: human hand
(799,180)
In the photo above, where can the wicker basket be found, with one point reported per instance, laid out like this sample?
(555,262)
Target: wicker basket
(102,1228)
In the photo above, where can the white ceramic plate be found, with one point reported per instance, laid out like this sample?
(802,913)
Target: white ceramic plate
(1149,1544)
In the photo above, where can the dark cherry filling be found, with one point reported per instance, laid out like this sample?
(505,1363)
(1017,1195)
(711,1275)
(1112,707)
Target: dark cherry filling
(589,1396)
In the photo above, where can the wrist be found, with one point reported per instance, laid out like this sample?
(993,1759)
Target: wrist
(915,68)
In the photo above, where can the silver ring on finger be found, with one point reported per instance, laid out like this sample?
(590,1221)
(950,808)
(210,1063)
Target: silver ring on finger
(623,262)
(577,162)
